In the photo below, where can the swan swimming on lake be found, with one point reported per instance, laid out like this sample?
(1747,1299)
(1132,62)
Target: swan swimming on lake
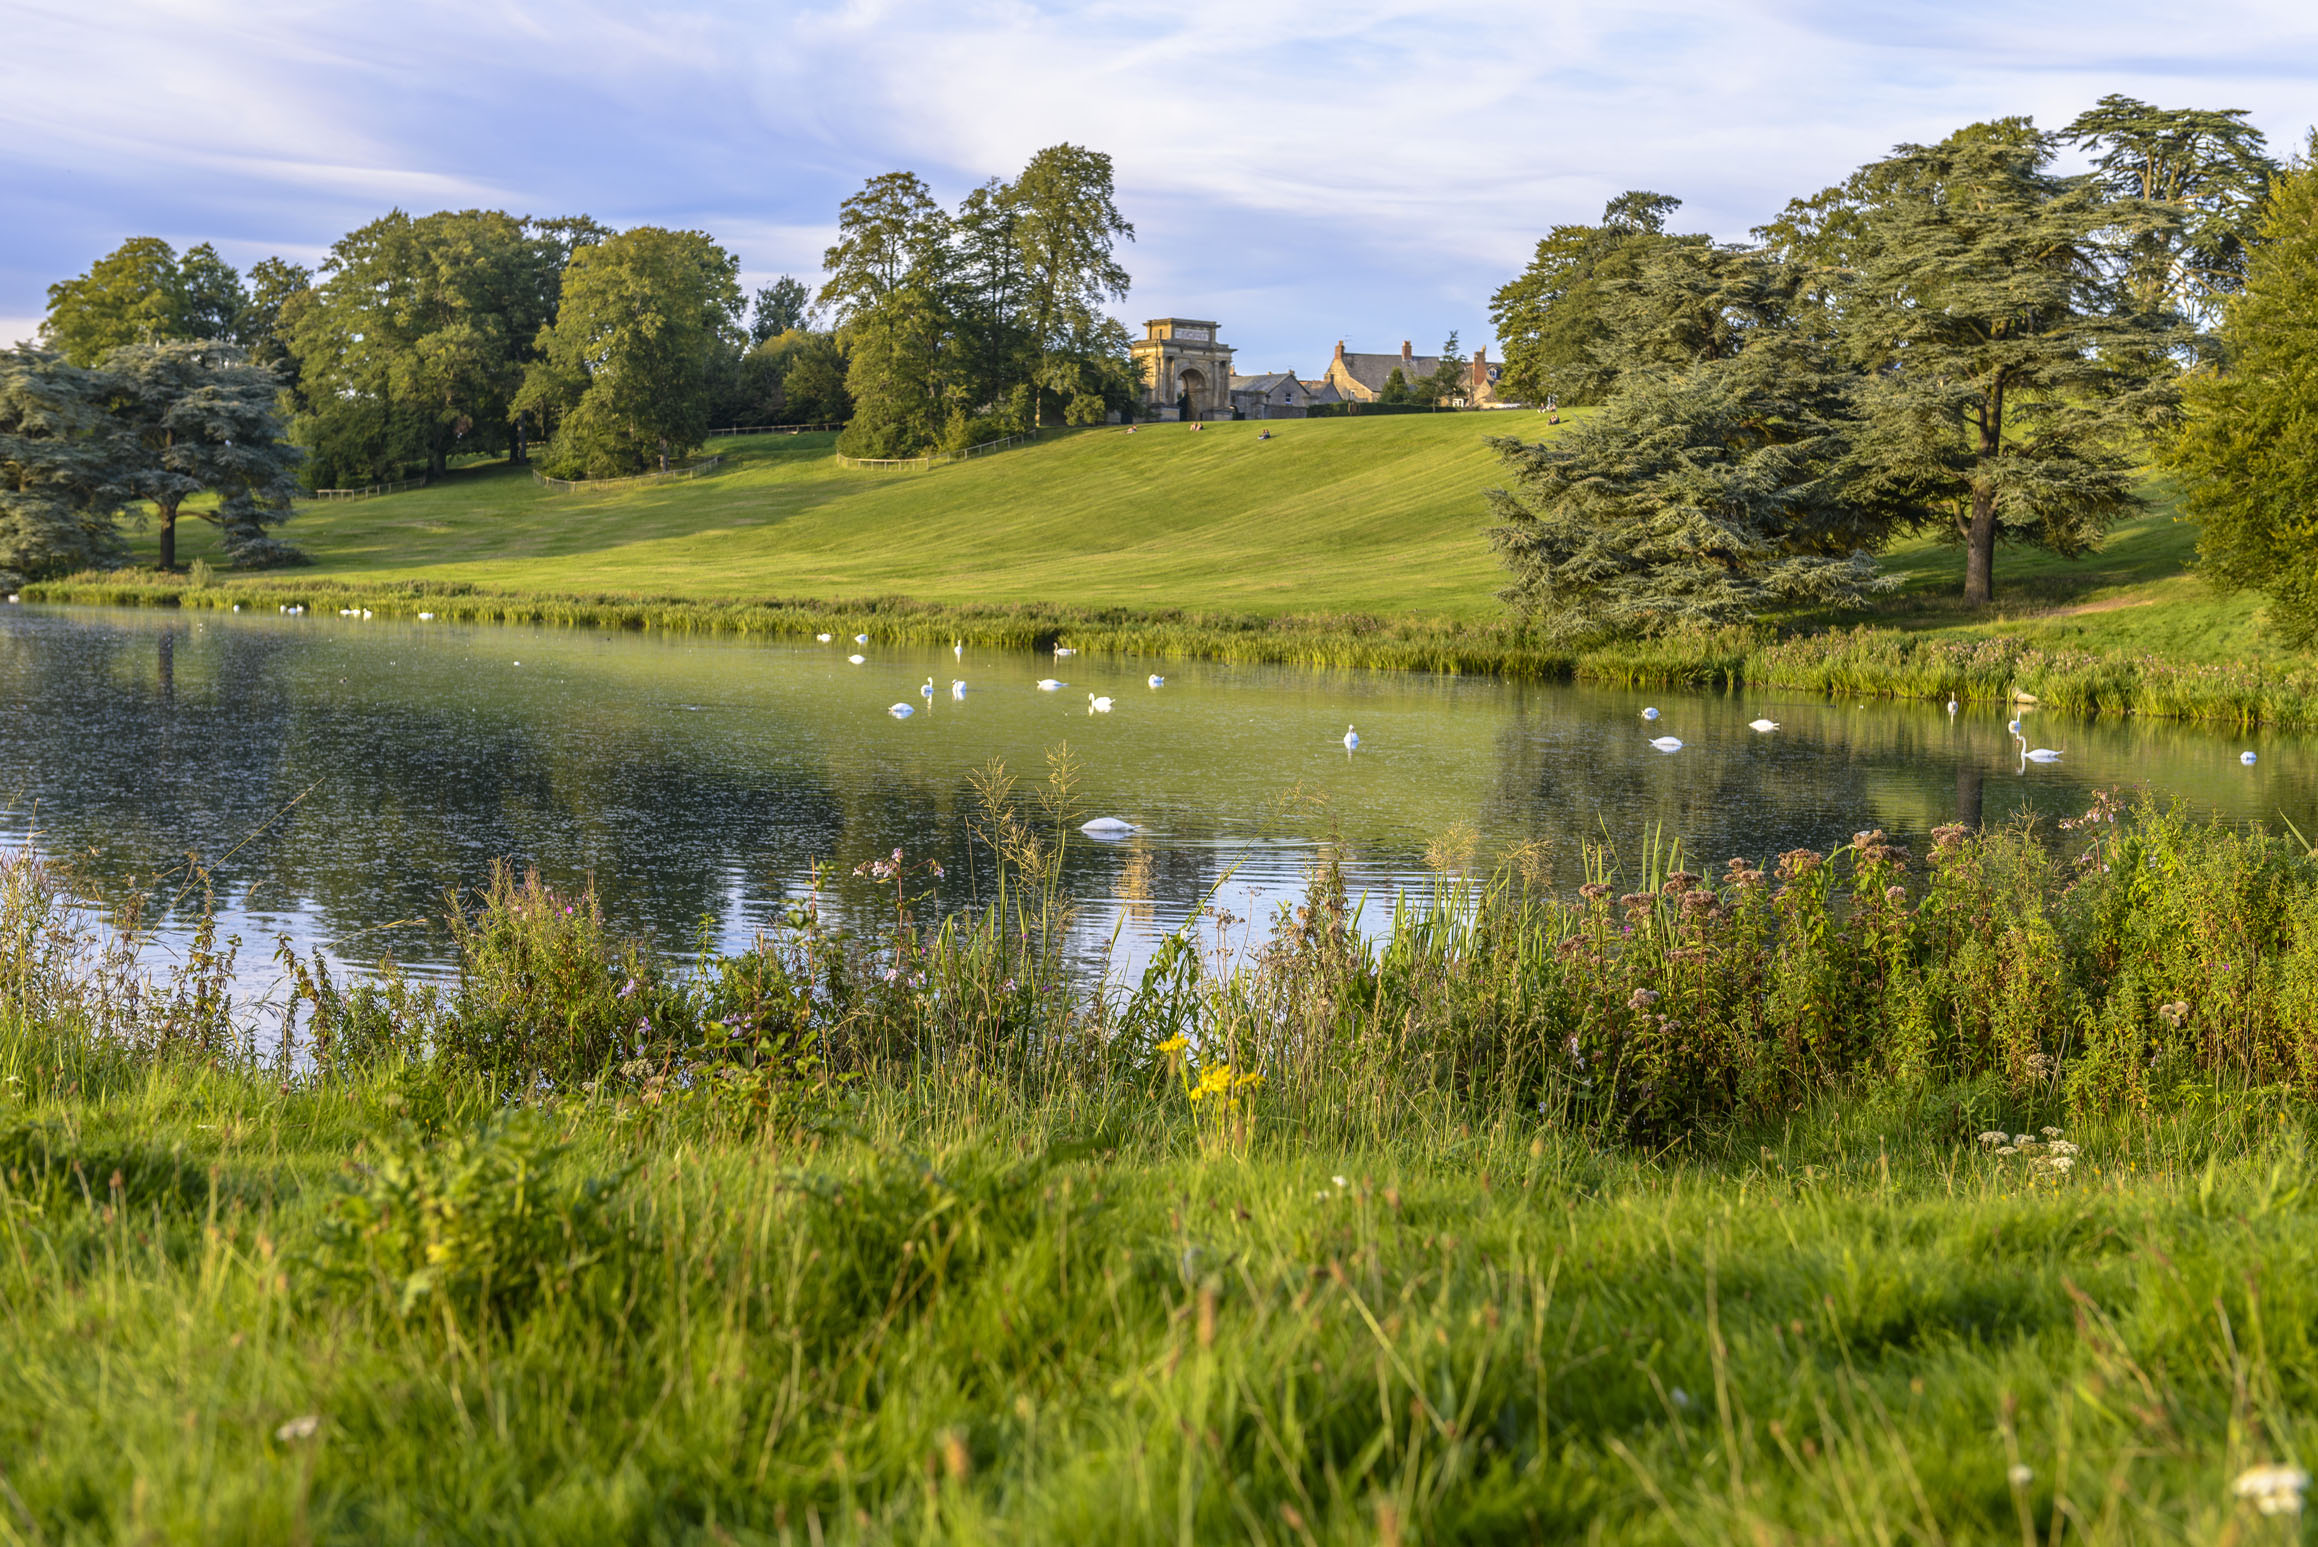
(901,711)
(824,638)
(927,692)
(957,649)
(2246,758)
(1107,827)
(2013,727)
(1762,725)
(1049,685)
(957,688)
(1667,743)
(857,659)
(861,639)
(1064,650)
(2030,754)
(1098,705)
(1156,680)
(1951,706)
(1649,714)
(1351,739)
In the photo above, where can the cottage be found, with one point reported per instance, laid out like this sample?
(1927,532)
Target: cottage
(1276,395)
(1361,378)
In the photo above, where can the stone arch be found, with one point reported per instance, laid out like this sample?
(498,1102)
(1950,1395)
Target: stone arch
(1193,384)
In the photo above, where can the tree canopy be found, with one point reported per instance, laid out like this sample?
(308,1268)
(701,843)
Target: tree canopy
(1549,318)
(58,487)
(142,292)
(197,418)
(2247,452)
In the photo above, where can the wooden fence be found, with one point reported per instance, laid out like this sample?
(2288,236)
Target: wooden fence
(939,458)
(372,492)
(773,429)
(587,485)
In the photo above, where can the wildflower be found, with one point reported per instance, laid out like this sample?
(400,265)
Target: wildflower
(2019,1476)
(2022,1139)
(1992,1139)
(2062,1148)
(891,973)
(630,989)
(1594,891)
(2006,1149)
(2175,1013)
(1339,1181)
(307,1425)
(1175,1044)
(1641,999)
(2059,1163)
(2274,1490)
(1681,1397)
(1895,895)
(2049,1131)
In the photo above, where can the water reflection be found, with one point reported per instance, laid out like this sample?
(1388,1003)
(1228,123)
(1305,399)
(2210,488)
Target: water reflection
(337,775)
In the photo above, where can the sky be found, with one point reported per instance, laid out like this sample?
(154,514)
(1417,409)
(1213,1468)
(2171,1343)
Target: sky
(1364,170)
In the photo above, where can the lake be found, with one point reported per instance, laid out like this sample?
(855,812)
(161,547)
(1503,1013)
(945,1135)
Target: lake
(336,775)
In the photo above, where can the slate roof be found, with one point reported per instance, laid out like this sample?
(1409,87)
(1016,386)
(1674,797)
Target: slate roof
(1373,371)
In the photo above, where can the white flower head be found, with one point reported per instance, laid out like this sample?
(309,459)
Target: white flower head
(2274,1490)
(306,1426)
(2019,1476)
(2006,1149)
(2049,1131)
(1993,1138)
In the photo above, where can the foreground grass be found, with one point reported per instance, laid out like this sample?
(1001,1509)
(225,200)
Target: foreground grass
(939,1315)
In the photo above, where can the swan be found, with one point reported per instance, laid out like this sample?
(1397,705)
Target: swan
(858,659)
(1156,680)
(2038,754)
(1061,650)
(1351,739)
(1049,685)
(861,639)
(2246,758)
(1107,827)
(1098,705)
(1667,743)
(1649,714)
(1951,706)
(424,617)
(2013,727)
(957,688)
(958,649)
(824,638)
(927,692)
(1762,725)
(901,711)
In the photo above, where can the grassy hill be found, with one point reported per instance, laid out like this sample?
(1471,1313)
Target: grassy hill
(1351,515)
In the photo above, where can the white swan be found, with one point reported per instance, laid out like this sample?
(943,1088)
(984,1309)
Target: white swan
(1649,714)
(2039,754)
(857,659)
(1064,650)
(1762,725)
(1667,743)
(2014,727)
(957,688)
(927,692)
(1156,680)
(824,638)
(1351,739)
(2246,758)
(1107,827)
(1098,705)
(958,649)
(901,711)
(861,639)
(1951,706)
(1049,685)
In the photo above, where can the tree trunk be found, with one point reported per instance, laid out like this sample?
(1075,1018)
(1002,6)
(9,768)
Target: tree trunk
(516,440)
(168,536)
(438,462)
(1980,536)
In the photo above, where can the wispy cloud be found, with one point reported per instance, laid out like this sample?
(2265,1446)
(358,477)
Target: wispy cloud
(1370,169)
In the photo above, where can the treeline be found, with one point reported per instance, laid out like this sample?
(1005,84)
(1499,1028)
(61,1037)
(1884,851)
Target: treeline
(1958,338)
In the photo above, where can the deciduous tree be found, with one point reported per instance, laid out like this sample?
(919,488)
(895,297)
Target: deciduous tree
(142,293)
(780,308)
(2247,452)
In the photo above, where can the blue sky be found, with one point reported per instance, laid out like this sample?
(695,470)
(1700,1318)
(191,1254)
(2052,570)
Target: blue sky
(1358,169)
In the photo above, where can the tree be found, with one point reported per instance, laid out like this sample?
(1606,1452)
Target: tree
(194,419)
(813,385)
(1448,385)
(2247,452)
(142,293)
(890,236)
(418,335)
(1549,318)
(1396,389)
(1066,225)
(2004,375)
(627,372)
(780,308)
(2193,182)
(261,328)
(1711,487)
(987,297)
(58,499)
(890,287)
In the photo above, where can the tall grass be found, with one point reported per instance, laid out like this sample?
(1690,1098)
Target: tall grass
(1865,1196)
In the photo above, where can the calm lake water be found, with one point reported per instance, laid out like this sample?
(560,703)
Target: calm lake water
(336,775)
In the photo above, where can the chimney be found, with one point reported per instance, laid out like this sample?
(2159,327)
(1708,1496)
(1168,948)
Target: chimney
(1480,369)
(1340,349)
(1405,357)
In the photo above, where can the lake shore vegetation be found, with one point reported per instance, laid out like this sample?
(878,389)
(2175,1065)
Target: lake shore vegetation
(1634,1213)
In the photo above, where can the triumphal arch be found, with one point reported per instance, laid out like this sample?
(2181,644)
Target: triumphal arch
(1186,373)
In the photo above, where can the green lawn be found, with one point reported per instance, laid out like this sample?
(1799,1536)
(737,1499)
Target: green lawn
(1356,515)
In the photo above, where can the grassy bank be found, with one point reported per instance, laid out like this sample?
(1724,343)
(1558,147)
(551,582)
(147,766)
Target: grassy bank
(1338,543)
(1953,1197)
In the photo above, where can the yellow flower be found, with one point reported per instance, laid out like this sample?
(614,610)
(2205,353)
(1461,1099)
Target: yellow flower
(1174,1044)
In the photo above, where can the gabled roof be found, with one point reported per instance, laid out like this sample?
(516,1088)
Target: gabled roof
(1263,383)
(1373,371)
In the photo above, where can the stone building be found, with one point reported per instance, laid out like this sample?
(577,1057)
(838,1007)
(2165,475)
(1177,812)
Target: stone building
(1275,395)
(1186,373)
(1361,378)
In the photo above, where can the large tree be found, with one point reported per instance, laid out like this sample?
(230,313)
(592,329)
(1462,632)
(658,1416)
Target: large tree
(2191,182)
(890,287)
(1549,318)
(58,462)
(417,336)
(194,419)
(2007,374)
(629,370)
(2247,453)
(1067,226)
(781,307)
(1719,481)
(142,293)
